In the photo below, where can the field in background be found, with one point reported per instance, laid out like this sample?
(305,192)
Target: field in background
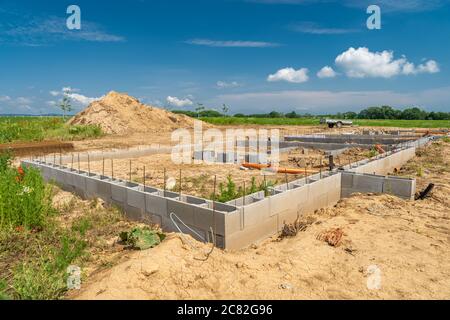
(315,121)
(25,129)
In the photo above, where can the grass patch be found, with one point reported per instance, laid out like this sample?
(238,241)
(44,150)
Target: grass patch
(25,200)
(316,122)
(34,251)
(29,129)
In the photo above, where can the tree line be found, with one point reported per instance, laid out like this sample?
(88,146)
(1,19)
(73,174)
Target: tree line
(378,113)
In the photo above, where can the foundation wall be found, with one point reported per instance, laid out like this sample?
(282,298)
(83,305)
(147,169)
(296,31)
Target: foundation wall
(359,182)
(244,221)
(149,205)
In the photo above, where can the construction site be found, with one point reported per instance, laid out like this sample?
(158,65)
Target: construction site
(281,215)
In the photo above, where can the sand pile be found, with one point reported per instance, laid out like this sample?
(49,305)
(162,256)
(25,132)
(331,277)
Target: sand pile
(119,113)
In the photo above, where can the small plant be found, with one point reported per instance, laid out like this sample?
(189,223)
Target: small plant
(5,160)
(142,239)
(372,153)
(446,139)
(419,172)
(229,191)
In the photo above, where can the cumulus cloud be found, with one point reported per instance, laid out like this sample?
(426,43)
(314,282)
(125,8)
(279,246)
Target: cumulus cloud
(290,75)
(77,98)
(5,98)
(362,63)
(224,84)
(326,72)
(81,99)
(176,102)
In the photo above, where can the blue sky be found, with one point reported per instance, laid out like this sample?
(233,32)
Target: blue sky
(253,55)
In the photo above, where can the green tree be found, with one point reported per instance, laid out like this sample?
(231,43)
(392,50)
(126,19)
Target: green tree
(225,109)
(65,104)
(200,108)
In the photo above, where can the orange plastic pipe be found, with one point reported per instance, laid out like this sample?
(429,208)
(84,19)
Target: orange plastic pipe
(379,149)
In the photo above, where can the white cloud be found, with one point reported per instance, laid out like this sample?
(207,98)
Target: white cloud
(290,75)
(314,28)
(5,98)
(326,72)
(176,102)
(79,99)
(224,84)
(362,63)
(231,43)
(40,32)
(430,66)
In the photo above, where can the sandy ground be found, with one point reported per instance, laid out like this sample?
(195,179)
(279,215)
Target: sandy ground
(405,244)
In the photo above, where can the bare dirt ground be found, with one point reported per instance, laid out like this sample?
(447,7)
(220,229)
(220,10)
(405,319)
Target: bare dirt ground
(407,241)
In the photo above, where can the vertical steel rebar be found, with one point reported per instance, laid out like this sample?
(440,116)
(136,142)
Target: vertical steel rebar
(112,168)
(164,182)
(144,178)
(129,178)
(180,184)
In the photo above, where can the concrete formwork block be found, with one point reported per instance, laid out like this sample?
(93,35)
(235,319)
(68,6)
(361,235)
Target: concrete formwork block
(205,219)
(220,241)
(253,158)
(255,213)
(400,187)
(317,195)
(347,180)
(91,187)
(288,201)
(118,192)
(156,205)
(133,213)
(234,222)
(220,157)
(184,211)
(367,183)
(118,204)
(209,156)
(104,189)
(198,155)
(230,157)
(253,234)
(69,178)
(135,198)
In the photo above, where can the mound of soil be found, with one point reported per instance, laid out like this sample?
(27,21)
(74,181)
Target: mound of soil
(119,113)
